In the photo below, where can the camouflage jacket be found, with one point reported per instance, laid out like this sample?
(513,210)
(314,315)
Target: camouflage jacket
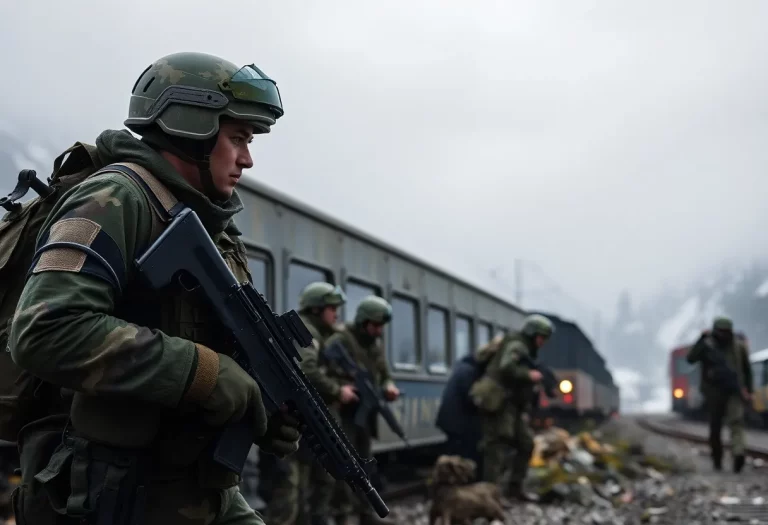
(327,386)
(368,354)
(736,358)
(129,357)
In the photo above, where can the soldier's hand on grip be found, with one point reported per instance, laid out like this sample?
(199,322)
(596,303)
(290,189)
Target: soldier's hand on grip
(535,376)
(234,393)
(282,436)
(348,394)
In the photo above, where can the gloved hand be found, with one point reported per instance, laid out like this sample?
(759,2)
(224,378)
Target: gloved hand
(282,436)
(232,395)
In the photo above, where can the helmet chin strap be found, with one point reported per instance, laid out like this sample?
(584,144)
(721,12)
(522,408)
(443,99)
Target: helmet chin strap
(197,152)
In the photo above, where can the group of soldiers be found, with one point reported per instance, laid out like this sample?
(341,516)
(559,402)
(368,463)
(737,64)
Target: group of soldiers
(726,385)
(301,490)
(122,390)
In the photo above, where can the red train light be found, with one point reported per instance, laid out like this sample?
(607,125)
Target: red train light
(568,398)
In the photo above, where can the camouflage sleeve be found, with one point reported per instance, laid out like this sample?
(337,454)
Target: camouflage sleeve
(64,330)
(696,352)
(748,379)
(383,368)
(509,363)
(325,385)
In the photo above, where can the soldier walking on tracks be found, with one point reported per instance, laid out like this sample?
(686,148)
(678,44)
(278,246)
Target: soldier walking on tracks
(303,488)
(148,376)
(726,384)
(362,341)
(504,396)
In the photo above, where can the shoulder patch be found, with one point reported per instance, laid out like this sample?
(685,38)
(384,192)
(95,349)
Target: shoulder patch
(76,230)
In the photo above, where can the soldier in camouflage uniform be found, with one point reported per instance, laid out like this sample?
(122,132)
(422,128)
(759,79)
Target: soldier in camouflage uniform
(362,341)
(306,489)
(722,406)
(504,395)
(149,374)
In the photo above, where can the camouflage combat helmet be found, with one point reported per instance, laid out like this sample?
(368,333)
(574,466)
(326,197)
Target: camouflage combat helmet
(536,324)
(177,102)
(321,294)
(186,93)
(373,309)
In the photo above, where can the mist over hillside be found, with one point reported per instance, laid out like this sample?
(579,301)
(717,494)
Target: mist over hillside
(641,337)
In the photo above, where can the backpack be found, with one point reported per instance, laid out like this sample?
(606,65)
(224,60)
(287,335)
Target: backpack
(485,353)
(486,394)
(24,397)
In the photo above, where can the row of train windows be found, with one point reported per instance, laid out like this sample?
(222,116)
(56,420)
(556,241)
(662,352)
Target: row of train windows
(405,347)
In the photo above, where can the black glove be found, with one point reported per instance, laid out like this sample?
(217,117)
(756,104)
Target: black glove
(282,436)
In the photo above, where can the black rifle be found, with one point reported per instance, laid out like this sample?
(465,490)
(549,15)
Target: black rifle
(264,348)
(548,380)
(371,399)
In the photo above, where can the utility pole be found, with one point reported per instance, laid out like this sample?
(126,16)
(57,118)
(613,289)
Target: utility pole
(519,282)
(597,328)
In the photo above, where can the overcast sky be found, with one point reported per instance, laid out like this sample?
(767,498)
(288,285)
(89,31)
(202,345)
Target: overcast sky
(615,143)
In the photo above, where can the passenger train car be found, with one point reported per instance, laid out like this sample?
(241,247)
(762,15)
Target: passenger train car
(586,386)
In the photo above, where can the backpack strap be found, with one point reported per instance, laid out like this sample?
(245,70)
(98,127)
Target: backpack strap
(164,204)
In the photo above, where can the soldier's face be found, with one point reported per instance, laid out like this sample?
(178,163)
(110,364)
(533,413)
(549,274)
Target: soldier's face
(540,340)
(230,156)
(374,329)
(329,315)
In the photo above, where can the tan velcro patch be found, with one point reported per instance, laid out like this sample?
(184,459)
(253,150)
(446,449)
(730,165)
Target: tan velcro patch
(206,374)
(77,230)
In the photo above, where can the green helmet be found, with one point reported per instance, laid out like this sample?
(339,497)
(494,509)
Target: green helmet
(321,294)
(186,93)
(723,324)
(536,324)
(373,309)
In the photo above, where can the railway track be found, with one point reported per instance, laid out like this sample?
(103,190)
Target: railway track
(757,442)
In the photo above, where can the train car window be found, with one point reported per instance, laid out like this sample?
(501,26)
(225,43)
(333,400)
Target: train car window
(462,337)
(682,366)
(483,334)
(437,340)
(356,292)
(261,273)
(757,373)
(404,347)
(299,276)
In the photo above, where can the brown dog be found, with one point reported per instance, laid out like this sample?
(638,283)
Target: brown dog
(455,499)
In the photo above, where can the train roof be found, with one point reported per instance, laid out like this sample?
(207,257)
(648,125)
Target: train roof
(760,355)
(271,193)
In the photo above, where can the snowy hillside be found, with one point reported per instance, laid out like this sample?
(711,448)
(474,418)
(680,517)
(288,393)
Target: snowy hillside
(643,336)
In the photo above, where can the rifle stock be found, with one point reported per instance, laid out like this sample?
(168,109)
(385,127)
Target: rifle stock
(264,348)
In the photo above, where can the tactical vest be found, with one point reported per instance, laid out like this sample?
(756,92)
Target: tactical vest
(364,356)
(174,441)
(733,356)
